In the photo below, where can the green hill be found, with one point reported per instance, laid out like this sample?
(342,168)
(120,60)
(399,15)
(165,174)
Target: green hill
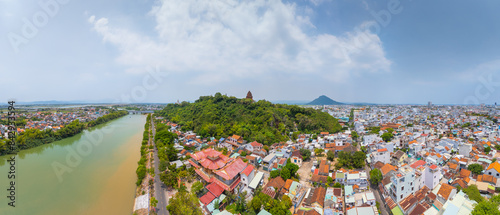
(223,116)
(324,100)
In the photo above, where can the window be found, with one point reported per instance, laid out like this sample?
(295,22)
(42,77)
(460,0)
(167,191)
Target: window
(412,189)
(402,188)
(401,195)
(411,183)
(497,175)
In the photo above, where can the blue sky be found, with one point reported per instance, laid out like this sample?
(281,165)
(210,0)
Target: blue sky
(385,51)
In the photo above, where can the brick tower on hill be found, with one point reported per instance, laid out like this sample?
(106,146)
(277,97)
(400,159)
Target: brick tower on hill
(249,95)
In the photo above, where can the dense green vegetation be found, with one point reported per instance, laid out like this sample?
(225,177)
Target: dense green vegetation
(475,168)
(274,206)
(141,168)
(287,172)
(262,121)
(35,137)
(375,176)
(349,161)
(184,203)
(483,206)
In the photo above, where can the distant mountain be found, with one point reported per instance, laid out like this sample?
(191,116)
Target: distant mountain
(324,100)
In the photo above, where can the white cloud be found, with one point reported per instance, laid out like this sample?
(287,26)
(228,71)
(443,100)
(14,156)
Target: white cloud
(220,40)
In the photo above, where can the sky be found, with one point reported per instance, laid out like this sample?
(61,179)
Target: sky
(387,52)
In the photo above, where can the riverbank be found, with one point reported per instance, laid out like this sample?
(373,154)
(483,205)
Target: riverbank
(144,174)
(100,179)
(32,138)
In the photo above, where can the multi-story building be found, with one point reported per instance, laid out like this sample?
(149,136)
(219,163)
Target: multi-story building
(381,155)
(402,183)
(432,176)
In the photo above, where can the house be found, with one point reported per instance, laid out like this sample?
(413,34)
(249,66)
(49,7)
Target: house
(214,167)
(408,203)
(446,192)
(268,161)
(432,176)
(334,200)
(254,146)
(247,175)
(357,178)
(464,173)
(488,179)
(296,158)
(324,168)
(493,169)
(387,169)
(381,155)
(364,198)
(366,210)
(316,198)
(274,186)
(319,179)
(398,158)
(402,183)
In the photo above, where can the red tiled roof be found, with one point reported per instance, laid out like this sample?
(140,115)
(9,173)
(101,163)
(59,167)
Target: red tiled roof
(193,163)
(256,144)
(382,150)
(207,198)
(203,175)
(417,164)
(433,166)
(232,169)
(215,189)
(248,170)
(211,159)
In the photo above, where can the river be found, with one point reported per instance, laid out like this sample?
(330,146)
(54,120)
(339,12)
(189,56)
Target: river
(89,173)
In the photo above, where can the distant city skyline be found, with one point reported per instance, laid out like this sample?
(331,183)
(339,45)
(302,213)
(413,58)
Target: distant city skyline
(389,52)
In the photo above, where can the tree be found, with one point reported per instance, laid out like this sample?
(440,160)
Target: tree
(256,203)
(306,154)
(337,185)
(354,135)
(169,178)
(275,173)
(285,174)
(475,168)
(154,202)
(330,155)
(375,176)
(184,203)
(293,168)
(374,130)
(486,208)
(196,187)
(387,136)
(473,193)
(487,150)
(141,173)
(329,180)
(318,152)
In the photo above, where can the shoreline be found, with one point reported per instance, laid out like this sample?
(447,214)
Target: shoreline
(51,139)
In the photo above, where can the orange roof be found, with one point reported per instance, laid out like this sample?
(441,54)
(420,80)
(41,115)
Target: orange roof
(494,165)
(445,190)
(382,150)
(387,168)
(464,173)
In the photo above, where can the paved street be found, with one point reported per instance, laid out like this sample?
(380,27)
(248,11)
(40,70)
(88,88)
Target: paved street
(377,194)
(159,187)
